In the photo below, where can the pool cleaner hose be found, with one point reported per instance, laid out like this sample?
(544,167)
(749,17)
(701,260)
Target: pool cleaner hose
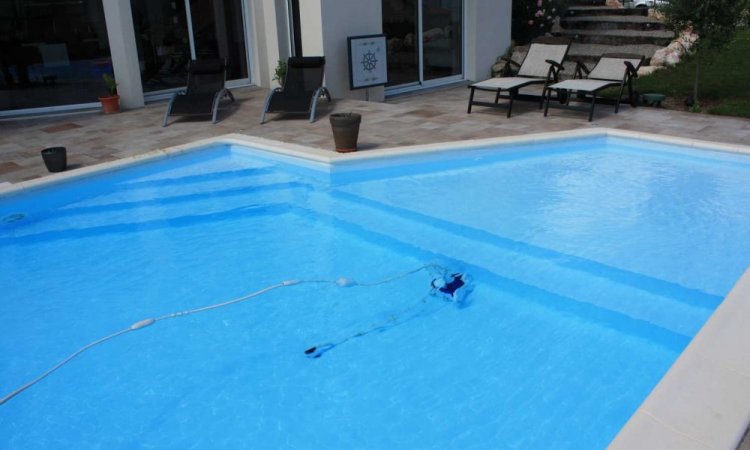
(340,282)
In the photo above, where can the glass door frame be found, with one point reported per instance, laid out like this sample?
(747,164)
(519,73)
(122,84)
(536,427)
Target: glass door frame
(421,83)
(164,94)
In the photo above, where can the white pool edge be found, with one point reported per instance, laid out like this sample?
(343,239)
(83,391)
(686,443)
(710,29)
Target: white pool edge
(702,402)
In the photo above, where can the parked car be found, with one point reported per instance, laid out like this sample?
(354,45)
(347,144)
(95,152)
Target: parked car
(643,3)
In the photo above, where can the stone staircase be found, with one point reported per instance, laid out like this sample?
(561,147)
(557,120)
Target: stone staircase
(597,29)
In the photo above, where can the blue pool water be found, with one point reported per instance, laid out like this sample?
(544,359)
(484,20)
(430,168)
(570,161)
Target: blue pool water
(594,262)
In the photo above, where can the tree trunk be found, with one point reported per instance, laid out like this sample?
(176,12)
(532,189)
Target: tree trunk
(697,74)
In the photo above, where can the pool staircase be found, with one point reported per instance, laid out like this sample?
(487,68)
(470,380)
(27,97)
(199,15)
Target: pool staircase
(597,29)
(631,302)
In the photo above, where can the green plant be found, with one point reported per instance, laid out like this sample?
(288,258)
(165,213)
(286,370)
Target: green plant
(279,74)
(714,21)
(109,80)
(532,18)
(724,89)
(695,108)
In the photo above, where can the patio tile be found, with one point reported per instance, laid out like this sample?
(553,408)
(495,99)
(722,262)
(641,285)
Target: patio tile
(61,127)
(423,118)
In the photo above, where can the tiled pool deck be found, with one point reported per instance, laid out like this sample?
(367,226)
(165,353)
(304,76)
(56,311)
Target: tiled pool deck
(438,116)
(702,403)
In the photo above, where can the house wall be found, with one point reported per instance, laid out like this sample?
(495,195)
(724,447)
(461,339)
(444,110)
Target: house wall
(127,72)
(341,19)
(269,27)
(311,27)
(487,35)
(326,24)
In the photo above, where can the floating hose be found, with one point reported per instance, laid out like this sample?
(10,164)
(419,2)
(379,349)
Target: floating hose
(394,320)
(340,282)
(450,287)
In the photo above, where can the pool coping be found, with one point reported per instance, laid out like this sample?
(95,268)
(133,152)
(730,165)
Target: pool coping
(702,402)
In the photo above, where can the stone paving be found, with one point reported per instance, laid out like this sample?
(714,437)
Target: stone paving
(427,117)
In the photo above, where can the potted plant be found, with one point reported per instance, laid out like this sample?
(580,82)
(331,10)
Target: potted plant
(110,102)
(55,158)
(279,74)
(345,127)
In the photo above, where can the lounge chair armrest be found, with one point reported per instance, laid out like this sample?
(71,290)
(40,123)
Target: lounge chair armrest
(581,69)
(509,67)
(632,71)
(510,61)
(555,64)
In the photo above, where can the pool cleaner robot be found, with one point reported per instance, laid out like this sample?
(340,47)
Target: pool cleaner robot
(446,286)
(452,288)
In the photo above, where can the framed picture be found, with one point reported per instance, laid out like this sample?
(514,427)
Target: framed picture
(367,61)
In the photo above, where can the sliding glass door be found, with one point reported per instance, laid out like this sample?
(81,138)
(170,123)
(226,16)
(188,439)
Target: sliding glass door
(425,41)
(169,33)
(52,53)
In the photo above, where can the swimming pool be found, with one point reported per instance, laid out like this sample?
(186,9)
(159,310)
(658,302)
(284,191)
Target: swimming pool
(594,261)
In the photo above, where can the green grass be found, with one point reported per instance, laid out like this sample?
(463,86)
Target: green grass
(723,86)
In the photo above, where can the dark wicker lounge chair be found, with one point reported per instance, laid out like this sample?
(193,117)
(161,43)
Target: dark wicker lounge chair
(303,86)
(612,69)
(205,89)
(542,65)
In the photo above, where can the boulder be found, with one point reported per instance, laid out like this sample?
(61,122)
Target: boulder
(648,70)
(673,53)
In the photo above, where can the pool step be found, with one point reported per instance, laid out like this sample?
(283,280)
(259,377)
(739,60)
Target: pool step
(667,305)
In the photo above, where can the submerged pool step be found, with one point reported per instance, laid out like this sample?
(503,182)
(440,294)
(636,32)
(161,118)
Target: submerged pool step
(560,303)
(131,208)
(664,304)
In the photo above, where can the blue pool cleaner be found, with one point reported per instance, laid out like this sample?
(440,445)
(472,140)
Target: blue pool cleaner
(453,288)
(141,324)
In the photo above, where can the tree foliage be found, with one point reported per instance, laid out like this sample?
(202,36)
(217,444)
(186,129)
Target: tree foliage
(715,21)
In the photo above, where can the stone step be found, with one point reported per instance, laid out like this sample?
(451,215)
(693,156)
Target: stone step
(620,37)
(588,2)
(590,53)
(642,23)
(545,271)
(575,11)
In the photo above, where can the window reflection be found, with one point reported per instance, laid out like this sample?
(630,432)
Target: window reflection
(161,36)
(52,53)
(441,38)
(164,41)
(400,29)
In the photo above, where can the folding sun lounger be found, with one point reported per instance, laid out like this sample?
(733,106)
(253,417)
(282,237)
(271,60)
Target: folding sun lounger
(613,69)
(303,86)
(542,65)
(205,89)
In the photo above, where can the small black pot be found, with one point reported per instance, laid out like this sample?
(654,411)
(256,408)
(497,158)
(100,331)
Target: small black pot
(345,127)
(55,158)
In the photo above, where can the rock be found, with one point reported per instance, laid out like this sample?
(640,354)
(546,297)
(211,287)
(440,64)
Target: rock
(498,69)
(648,70)
(519,53)
(556,29)
(673,53)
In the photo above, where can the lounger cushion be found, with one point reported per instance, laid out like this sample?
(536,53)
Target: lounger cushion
(584,85)
(535,64)
(612,68)
(506,83)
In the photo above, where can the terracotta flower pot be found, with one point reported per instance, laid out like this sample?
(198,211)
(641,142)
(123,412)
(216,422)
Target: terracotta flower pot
(110,104)
(345,127)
